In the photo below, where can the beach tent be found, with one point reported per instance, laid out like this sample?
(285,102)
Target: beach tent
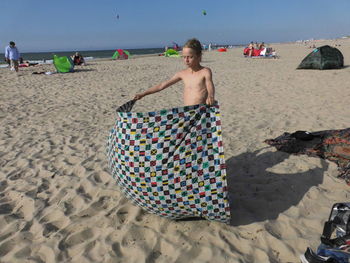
(121,54)
(324,57)
(63,64)
(171,53)
(171,162)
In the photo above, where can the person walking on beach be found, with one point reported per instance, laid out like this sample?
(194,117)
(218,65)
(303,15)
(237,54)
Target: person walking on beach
(198,83)
(12,55)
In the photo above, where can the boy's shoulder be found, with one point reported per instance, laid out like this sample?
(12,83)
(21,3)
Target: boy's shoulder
(181,73)
(206,71)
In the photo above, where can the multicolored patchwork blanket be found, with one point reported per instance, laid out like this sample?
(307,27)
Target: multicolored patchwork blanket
(171,162)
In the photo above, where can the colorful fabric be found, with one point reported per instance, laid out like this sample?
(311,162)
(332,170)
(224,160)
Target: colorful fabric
(171,162)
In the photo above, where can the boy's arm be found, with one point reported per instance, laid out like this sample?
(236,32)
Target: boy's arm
(159,87)
(210,87)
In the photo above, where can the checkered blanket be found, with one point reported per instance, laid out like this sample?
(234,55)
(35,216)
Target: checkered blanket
(171,162)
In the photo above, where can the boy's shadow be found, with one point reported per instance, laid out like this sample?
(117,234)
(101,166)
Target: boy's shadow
(256,194)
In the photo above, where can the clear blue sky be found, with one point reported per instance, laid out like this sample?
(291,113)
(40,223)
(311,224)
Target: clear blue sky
(51,25)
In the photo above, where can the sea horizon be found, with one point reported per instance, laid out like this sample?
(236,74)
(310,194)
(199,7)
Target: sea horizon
(91,54)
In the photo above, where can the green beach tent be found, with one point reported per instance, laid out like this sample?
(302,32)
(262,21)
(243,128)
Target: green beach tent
(63,64)
(121,54)
(171,53)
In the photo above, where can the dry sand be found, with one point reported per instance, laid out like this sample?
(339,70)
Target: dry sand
(58,202)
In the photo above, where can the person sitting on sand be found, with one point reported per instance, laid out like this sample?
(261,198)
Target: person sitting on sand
(273,53)
(198,83)
(78,59)
(256,45)
(176,47)
(26,63)
(262,45)
(31,63)
(249,51)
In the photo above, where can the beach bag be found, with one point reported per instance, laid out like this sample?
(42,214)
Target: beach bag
(335,239)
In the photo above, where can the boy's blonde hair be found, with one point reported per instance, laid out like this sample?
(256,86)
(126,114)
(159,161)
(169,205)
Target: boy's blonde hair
(195,45)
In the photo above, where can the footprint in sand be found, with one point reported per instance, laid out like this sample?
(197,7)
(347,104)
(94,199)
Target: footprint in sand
(6,247)
(49,229)
(6,209)
(116,249)
(76,239)
(3,185)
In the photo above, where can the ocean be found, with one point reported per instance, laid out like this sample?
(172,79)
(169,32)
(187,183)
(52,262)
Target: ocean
(41,57)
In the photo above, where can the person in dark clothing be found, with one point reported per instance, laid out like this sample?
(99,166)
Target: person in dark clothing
(78,59)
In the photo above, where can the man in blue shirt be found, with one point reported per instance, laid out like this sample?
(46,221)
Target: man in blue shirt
(12,55)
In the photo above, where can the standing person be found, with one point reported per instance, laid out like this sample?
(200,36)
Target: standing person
(12,55)
(198,83)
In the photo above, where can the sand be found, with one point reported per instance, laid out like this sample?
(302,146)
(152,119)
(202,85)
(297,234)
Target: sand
(59,203)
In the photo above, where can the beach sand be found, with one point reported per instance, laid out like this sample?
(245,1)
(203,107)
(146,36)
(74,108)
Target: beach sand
(59,203)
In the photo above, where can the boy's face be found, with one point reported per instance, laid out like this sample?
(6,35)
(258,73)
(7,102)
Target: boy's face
(190,57)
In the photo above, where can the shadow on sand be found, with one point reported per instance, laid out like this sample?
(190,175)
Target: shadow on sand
(83,69)
(257,194)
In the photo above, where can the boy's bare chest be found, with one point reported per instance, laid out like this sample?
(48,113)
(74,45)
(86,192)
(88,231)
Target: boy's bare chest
(193,81)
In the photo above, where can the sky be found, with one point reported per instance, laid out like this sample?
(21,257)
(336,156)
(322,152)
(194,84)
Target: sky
(65,25)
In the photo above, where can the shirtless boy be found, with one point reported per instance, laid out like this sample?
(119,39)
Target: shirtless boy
(198,83)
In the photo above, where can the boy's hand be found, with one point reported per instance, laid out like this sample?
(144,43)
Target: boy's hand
(210,101)
(138,96)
